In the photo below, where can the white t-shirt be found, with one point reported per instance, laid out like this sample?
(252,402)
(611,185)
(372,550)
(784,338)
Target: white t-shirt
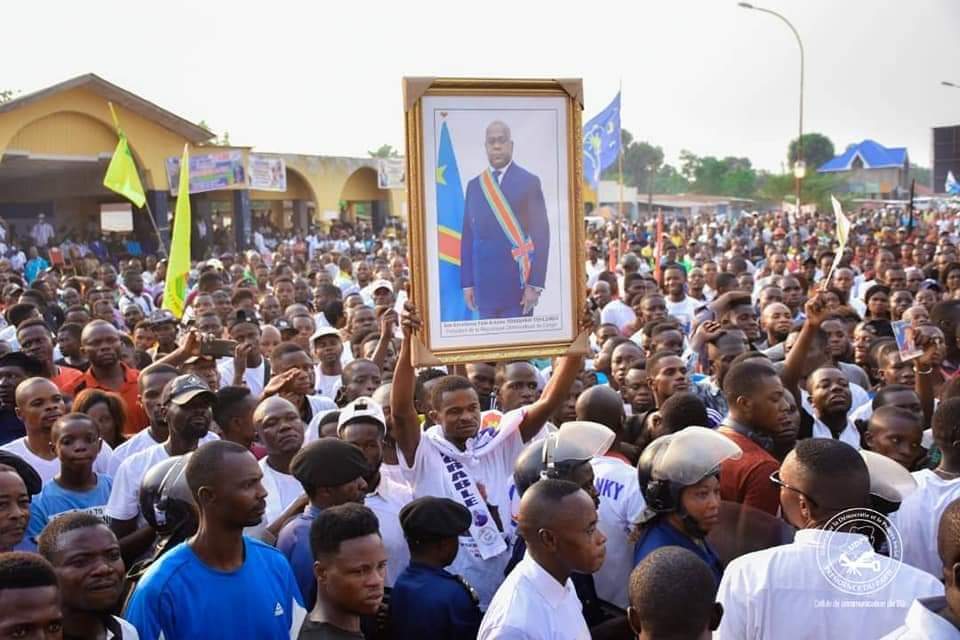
(124,503)
(327,385)
(137,443)
(621,504)
(918,519)
(252,376)
(48,469)
(386,503)
(282,489)
(618,313)
(491,466)
(684,311)
(128,630)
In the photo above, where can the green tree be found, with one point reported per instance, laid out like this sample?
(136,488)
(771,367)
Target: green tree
(817,149)
(669,180)
(815,188)
(223,140)
(6,95)
(385,151)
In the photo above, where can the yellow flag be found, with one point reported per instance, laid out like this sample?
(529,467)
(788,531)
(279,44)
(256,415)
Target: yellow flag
(178,268)
(122,176)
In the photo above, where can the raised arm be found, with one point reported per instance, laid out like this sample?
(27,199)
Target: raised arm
(388,320)
(406,426)
(554,395)
(796,361)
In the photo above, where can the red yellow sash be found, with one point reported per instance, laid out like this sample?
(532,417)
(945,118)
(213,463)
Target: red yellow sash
(522,245)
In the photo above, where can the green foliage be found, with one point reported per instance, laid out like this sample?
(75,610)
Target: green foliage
(6,95)
(385,151)
(815,188)
(817,149)
(223,140)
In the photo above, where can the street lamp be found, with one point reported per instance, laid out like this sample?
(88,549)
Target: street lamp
(799,169)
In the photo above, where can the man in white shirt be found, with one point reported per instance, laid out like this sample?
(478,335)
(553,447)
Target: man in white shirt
(621,501)
(612,309)
(920,511)
(39,404)
(328,351)
(679,304)
(151,382)
(456,459)
(782,592)
(280,429)
(938,618)
(187,405)
(558,521)
(42,231)
(248,368)
(363,424)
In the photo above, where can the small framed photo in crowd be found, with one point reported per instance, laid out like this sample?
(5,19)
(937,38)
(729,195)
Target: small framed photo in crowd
(496,215)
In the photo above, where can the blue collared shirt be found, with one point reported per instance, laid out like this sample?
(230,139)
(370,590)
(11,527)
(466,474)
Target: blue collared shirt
(294,543)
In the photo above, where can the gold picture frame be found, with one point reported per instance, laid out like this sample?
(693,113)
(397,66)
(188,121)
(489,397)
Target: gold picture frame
(465,105)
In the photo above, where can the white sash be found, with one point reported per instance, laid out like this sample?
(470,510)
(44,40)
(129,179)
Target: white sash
(485,539)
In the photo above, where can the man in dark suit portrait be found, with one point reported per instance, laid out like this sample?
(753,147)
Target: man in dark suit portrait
(506,236)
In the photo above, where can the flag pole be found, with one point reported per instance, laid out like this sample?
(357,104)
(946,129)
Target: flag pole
(620,172)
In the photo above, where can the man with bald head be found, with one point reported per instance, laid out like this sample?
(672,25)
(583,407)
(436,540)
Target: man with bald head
(100,346)
(505,241)
(776,321)
(39,404)
(621,501)
(280,429)
(820,480)
(558,521)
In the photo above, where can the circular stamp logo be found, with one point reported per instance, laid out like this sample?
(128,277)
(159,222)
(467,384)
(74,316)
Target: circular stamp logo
(859,564)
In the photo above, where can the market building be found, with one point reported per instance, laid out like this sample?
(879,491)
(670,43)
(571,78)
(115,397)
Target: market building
(56,143)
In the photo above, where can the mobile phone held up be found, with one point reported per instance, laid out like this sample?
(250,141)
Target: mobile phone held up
(218,348)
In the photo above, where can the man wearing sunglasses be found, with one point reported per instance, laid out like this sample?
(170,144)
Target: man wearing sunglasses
(767,593)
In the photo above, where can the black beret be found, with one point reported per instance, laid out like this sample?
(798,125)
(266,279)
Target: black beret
(431,518)
(31,479)
(328,462)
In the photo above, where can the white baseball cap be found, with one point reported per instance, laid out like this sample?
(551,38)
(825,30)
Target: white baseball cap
(324,331)
(363,408)
(382,284)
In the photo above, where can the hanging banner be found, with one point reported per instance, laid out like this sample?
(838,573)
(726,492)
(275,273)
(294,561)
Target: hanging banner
(266,173)
(391,173)
(116,217)
(209,172)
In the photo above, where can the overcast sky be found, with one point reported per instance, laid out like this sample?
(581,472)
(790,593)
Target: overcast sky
(324,77)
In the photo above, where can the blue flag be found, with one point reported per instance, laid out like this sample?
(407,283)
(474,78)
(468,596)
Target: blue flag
(449,227)
(601,142)
(951,185)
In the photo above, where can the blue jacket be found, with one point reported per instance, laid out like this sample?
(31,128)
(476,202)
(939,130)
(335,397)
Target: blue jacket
(432,603)
(485,251)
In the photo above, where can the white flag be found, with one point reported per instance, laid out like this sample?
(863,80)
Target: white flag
(843,224)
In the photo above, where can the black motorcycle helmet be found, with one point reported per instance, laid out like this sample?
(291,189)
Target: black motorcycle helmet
(557,455)
(675,461)
(167,503)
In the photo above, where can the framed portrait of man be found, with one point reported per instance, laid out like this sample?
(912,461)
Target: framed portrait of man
(494,173)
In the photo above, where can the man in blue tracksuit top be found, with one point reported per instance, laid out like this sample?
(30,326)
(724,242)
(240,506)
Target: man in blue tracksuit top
(506,235)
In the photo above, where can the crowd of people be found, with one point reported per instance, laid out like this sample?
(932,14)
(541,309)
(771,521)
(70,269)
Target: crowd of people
(750,449)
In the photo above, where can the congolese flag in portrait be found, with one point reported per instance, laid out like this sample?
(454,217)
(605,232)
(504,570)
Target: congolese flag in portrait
(449,227)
